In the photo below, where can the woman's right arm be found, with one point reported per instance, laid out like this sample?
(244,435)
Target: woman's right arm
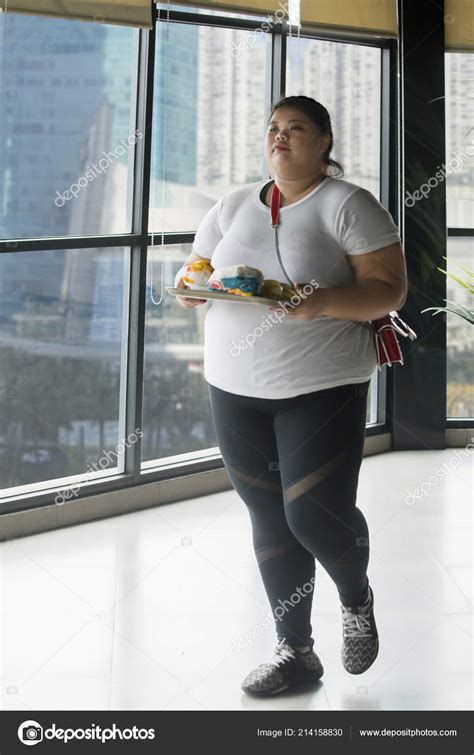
(186,301)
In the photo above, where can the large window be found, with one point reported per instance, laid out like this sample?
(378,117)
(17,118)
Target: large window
(345,78)
(460,139)
(74,318)
(208,124)
(208,132)
(66,127)
(63,317)
(460,220)
(176,413)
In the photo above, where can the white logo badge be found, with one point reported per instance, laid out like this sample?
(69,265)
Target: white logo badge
(30,732)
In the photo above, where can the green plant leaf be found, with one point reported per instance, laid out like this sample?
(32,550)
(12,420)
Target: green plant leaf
(452,307)
(465,284)
(456,309)
(466,270)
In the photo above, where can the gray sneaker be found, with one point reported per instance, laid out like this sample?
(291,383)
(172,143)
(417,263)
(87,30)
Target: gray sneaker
(289,667)
(360,644)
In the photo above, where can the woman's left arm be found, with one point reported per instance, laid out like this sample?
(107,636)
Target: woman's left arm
(379,286)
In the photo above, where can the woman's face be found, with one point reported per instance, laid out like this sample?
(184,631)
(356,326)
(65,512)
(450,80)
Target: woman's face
(294,147)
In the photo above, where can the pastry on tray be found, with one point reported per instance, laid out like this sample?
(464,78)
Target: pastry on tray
(197,274)
(240,280)
(272,289)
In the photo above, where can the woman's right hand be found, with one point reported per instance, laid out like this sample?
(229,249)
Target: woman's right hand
(186,301)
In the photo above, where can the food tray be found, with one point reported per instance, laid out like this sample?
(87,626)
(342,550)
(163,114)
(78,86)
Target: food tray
(209,294)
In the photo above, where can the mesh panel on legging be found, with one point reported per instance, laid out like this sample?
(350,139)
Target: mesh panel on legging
(320,439)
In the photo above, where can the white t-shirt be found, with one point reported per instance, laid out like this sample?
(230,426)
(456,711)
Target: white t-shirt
(247,350)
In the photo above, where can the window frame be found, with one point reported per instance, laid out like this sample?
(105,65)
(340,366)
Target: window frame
(457,232)
(135,473)
(457,422)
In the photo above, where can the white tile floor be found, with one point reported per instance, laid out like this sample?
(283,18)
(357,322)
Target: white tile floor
(145,611)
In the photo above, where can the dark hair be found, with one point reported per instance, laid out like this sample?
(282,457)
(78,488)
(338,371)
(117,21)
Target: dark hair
(322,120)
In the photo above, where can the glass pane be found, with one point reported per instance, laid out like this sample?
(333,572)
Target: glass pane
(460,333)
(345,78)
(176,410)
(208,120)
(67,127)
(459,139)
(62,329)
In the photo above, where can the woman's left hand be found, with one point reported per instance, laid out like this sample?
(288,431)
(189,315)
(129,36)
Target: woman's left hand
(309,306)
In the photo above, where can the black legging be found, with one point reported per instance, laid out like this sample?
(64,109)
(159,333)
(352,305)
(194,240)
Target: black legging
(295,463)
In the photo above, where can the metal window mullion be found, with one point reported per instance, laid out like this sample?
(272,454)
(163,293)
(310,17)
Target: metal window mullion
(379,379)
(138,252)
(389,173)
(267,95)
(395,185)
(202,20)
(278,72)
(186,237)
(343,36)
(66,242)
(461,232)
